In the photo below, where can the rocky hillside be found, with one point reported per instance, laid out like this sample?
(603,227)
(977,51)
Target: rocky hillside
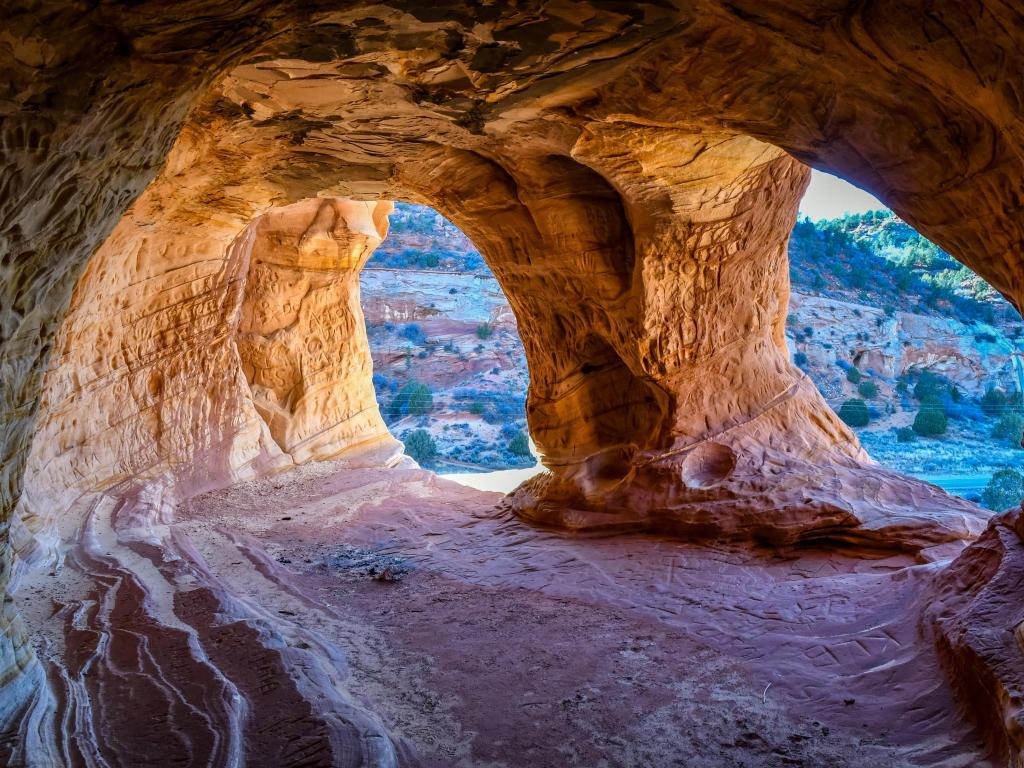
(875,307)
(448,362)
(877,259)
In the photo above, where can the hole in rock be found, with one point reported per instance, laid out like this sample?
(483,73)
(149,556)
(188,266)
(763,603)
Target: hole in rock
(449,369)
(914,351)
(707,465)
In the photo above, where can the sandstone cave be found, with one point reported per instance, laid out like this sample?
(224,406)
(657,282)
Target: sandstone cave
(213,550)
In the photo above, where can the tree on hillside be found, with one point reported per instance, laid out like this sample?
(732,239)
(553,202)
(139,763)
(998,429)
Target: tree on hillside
(1010,428)
(414,399)
(855,412)
(1004,490)
(412,332)
(928,386)
(520,444)
(931,419)
(867,389)
(996,402)
(421,447)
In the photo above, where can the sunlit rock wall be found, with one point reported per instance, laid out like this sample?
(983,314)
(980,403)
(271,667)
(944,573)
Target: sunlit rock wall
(301,335)
(204,349)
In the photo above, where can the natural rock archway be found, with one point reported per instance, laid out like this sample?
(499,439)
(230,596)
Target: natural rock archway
(630,173)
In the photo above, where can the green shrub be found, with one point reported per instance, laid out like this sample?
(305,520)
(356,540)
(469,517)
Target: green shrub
(905,435)
(928,386)
(855,413)
(1004,490)
(484,331)
(867,389)
(519,444)
(421,447)
(931,418)
(800,359)
(852,375)
(476,408)
(1010,428)
(414,399)
(995,401)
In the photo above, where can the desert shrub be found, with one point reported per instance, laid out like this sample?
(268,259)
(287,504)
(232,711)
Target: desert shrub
(505,407)
(510,430)
(1009,428)
(800,359)
(928,386)
(867,389)
(382,383)
(931,418)
(995,401)
(476,408)
(852,375)
(855,413)
(484,331)
(414,399)
(412,332)
(421,446)
(905,435)
(520,444)
(1004,490)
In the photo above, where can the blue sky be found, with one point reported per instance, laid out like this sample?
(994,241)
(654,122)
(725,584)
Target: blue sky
(829,197)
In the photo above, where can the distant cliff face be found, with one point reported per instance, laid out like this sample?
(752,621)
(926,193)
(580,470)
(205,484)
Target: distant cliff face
(830,332)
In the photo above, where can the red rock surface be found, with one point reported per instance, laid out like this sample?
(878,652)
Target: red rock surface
(330,615)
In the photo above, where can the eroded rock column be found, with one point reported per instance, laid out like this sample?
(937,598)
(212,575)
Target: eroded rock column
(301,335)
(649,276)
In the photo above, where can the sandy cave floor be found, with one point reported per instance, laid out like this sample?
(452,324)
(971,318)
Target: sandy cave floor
(404,600)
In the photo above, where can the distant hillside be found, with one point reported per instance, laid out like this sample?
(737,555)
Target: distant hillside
(913,350)
(874,258)
(877,259)
(421,238)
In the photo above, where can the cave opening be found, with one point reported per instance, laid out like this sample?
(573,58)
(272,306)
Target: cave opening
(449,368)
(914,350)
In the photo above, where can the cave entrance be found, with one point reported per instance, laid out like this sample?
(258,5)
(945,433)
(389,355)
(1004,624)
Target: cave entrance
(351,335)
(914,350)
(449,368)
